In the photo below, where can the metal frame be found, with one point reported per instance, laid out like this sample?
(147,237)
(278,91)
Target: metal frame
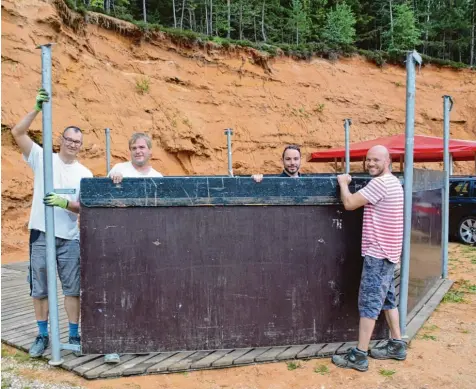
(108,150)
(447,106)
(49,210)
(347,124)
(229,133)
(412,58)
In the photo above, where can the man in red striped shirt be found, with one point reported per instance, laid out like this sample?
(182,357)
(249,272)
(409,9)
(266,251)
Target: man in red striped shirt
(382,237)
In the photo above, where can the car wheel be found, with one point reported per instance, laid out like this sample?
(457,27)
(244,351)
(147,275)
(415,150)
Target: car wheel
(467,230)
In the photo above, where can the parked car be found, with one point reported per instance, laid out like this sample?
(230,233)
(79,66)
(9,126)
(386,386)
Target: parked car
(462,209)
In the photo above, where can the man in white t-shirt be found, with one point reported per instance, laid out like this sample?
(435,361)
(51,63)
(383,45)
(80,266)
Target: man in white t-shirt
(67,174)
(140,147)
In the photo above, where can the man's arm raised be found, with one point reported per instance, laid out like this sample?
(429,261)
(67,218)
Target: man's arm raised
(20,131)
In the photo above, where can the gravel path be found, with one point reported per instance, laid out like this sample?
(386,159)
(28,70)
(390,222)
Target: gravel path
(13,363)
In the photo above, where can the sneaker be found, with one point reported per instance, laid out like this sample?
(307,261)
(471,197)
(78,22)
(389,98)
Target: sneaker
(76,340)
(39,346)
(392,349)
(112,358)
(354,359)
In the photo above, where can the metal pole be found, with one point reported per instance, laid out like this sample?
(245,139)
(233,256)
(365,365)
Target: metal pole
(49,210)
(347,124)
(229,133)
(412,57)
(108,150)
(451,164)
(447,105)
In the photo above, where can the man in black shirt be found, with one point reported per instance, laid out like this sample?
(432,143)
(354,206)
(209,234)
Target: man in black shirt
(291,163)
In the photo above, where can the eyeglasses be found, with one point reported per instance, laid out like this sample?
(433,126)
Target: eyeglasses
(70,141)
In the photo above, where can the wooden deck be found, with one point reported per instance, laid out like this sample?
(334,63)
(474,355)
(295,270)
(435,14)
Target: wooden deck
(19,329)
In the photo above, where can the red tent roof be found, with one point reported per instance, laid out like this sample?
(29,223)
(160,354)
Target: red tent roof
(426,149)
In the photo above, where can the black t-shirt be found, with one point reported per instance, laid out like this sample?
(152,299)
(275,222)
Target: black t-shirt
(284,174)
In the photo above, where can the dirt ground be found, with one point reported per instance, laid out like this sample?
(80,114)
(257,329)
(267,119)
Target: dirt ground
(441,356)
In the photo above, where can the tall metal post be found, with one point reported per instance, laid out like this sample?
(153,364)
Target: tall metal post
(108,150)
(447,105)
(229,133)
(412,58)
(451,165)
(347,124)
(49,210)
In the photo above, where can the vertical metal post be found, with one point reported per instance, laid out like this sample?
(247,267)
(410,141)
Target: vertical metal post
(347,124)
(447,105)
(108,150)
(49,210)
(451,165)
(412,57)
(229,133)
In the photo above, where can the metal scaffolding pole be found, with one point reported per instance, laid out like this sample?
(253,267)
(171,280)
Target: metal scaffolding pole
(49,210)
(412,58)
(108,150)
(447,106)
(347,124)
(229,133)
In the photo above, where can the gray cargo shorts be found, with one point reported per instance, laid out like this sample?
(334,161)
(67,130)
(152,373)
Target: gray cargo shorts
(67,261)
(377,287)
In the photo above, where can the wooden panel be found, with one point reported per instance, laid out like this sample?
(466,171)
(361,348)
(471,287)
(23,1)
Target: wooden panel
(271,354)
(218,277)
(166,363)
(290,353)
(142,367)
(311,350)
(228,359)
(185,363)
(210,359)
(251,356)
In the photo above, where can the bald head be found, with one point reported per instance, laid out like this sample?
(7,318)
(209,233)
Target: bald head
(378,161)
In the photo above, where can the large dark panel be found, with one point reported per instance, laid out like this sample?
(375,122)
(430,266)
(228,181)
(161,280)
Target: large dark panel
(206,277)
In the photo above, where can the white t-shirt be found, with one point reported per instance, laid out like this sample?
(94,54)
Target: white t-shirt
(65,176)
(127,169)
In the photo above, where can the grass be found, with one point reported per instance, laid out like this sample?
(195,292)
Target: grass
(454,296)
(319,108)
(467,286)
(6,383)
(321,369)
(387,373)
(398,83)
(143,85)
(428,337)
(430,327)
(293,365)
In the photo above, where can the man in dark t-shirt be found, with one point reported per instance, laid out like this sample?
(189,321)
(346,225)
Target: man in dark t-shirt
(291,163)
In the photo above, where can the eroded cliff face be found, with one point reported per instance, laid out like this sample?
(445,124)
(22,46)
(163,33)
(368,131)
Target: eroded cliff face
(194,93)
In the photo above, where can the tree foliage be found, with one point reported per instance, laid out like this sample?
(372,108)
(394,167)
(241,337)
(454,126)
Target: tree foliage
(444,29)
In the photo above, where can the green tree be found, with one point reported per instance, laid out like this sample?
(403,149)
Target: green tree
(340,26)
(299,21)
(405,34)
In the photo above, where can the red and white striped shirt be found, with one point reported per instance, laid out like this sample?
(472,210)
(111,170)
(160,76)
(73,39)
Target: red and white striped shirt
(382,231)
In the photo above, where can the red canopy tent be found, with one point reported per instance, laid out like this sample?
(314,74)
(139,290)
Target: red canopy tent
(426,149)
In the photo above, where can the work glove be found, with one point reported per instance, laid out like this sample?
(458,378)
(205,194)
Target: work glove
(53,200)
(41,97)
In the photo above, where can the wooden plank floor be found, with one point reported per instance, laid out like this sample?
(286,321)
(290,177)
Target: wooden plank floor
(19,330)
